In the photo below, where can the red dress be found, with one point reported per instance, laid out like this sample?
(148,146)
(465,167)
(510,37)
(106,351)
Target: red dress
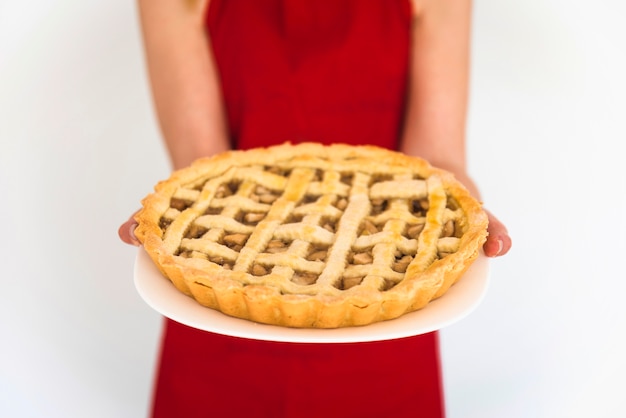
(296,70)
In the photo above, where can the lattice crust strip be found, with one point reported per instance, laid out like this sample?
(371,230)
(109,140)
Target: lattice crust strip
(312,236)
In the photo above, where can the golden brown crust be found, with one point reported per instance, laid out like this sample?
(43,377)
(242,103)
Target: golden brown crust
(195,229)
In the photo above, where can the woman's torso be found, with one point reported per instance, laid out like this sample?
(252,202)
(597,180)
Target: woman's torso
(305,70)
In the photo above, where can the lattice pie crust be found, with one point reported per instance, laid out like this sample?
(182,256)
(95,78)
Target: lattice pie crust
(312,236)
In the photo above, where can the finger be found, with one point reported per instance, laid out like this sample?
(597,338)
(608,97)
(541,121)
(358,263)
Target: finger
(499,241)
(126,232)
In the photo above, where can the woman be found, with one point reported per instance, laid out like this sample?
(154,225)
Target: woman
(242,74)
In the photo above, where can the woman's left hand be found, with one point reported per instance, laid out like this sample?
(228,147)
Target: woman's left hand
(499,241)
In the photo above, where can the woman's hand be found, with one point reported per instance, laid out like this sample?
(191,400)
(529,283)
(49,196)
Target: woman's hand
(126,231)
(498,242)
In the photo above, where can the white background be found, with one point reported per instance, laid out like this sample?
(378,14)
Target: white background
(79,147)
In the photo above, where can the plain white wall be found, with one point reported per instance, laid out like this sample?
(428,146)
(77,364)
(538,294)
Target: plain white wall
(79,147)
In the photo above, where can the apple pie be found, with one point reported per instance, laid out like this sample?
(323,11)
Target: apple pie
(312,236)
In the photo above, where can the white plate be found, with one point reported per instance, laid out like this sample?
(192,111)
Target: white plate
(462,298)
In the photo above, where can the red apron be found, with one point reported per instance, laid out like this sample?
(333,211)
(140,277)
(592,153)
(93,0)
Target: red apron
(304,70)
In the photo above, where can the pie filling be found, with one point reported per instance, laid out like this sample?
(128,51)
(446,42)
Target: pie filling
(387,238)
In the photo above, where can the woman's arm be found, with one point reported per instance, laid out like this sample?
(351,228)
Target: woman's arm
(435,119)
(184,84)
(183,79)
(438,83)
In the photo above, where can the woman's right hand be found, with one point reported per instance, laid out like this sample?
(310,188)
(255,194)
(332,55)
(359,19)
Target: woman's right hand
(126,231)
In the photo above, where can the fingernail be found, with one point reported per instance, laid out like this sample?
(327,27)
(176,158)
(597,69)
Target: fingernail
(131,231)
(500,246)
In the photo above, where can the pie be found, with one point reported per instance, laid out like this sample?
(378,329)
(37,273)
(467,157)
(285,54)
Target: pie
(312,236)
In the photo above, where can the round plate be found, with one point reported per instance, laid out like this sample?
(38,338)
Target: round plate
(462,298)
